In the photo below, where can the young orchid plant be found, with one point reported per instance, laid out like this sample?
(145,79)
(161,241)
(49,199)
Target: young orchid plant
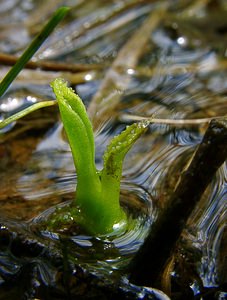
(97,203)
(96,207)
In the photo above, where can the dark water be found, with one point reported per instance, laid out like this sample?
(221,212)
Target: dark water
(140,59)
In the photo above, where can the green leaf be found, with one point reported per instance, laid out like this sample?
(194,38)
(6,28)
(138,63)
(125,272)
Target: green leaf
(113,160)
(119,146)
(80,135)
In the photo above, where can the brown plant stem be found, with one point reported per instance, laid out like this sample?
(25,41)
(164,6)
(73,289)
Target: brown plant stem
(148,264)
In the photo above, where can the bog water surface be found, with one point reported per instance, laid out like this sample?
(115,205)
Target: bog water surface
(127,60)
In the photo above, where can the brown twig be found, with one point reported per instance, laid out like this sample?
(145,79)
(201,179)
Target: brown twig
(148,264)
(175,122)
(9,60)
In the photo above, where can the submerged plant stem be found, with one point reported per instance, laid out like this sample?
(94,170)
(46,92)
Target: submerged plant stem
(149,262)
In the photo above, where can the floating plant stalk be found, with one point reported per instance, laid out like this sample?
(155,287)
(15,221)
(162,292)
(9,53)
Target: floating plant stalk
(149,262)
(96,206)
(25,112)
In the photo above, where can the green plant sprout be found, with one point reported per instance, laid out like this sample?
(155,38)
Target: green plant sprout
(97,205)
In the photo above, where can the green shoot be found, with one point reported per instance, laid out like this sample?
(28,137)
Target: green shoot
(32,48)
(97,206)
